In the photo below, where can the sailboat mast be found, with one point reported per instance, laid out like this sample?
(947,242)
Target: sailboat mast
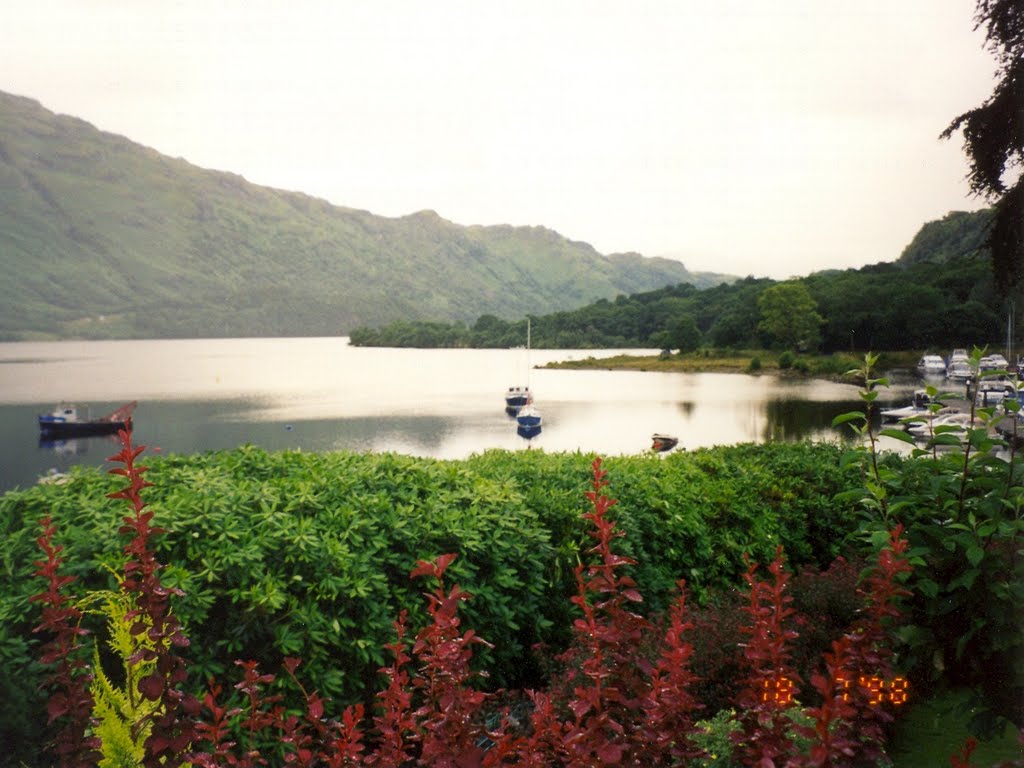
(527,354)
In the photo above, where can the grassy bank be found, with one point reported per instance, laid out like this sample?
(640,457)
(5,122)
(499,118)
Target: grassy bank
(741,361)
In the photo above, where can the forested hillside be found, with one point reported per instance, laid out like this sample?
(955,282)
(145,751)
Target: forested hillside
(955,235)
(103,238)
(939,297)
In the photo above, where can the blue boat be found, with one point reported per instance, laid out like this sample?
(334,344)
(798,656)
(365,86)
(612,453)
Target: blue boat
(528,433)
(528,416)
(64,421)
(516,398)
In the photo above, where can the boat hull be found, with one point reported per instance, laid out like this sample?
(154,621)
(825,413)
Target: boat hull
(663,442)
(56,428)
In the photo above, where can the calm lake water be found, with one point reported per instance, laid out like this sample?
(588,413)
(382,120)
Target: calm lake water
(320,394)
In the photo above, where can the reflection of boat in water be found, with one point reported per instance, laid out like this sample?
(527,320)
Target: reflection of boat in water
(65,421)
(528,432)
(660,442)
(62,445)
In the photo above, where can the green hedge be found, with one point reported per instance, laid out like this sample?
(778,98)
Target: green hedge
(309,554)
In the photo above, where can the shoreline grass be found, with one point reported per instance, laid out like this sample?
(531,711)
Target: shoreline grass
(753,362)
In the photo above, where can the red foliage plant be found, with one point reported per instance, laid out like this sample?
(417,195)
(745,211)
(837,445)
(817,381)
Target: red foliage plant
(174,716)
(395,723)
(848,724)
(619,707)
(448,716)
(771,681)
(70,702)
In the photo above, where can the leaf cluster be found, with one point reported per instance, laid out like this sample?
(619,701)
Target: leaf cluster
(960,499)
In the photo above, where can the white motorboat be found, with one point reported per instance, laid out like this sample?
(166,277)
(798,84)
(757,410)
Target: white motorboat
(918,405)
(931,365)
(925,429)
(994,391)
(959,370)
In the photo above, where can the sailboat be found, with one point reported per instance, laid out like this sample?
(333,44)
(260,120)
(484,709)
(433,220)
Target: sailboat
(517,397)
(528,418)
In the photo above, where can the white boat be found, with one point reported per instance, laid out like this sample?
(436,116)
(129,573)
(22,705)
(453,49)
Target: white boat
(959,354)
(918,405)
(517,397)
(959,370)
(993,363)
(925,429)
(994,391)
(931,365)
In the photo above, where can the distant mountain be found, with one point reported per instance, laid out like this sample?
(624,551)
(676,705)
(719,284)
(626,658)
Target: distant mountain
(103,238)
(955,235)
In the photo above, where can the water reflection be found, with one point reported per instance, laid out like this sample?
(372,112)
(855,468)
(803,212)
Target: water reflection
(79,446)
(321,395)
(528,431)
(788,420)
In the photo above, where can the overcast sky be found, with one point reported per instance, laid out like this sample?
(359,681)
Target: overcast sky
(764,137)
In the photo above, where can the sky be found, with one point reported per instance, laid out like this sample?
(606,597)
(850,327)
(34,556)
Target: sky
(749,137)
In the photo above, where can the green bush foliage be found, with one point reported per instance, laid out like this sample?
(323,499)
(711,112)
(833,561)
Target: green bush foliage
(960,498)
(308,554)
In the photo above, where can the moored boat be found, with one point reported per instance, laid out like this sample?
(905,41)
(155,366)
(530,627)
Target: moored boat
(516,398)
(918,405)
(993,391)
(660,442)
(931,365)
(65,420)
(959,370)
(528,416)
(946,423)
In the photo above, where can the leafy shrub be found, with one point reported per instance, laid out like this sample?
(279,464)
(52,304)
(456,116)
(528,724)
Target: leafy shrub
(786,360)
(288,553)
(755,365)
(963,509)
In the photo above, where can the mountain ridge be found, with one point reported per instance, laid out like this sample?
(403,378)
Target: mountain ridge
(102,237)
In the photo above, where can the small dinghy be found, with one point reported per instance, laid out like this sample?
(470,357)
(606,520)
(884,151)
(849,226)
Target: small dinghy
(660,442)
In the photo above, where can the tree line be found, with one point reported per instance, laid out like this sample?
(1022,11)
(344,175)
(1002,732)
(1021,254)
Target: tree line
(886,306)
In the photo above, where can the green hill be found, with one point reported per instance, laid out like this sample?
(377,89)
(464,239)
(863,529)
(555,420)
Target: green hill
(103,238)
(955,235)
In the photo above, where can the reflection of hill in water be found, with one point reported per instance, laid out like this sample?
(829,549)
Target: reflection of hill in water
(791,420)
(686,407)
